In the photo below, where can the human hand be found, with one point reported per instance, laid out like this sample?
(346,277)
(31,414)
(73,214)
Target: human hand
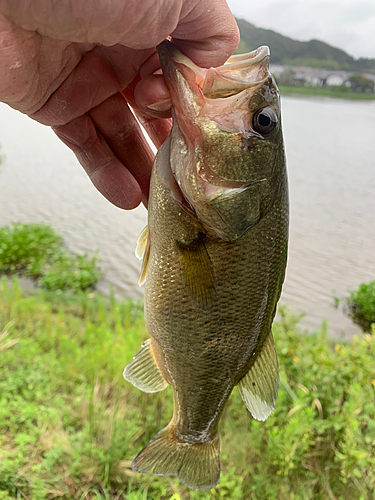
(77,66)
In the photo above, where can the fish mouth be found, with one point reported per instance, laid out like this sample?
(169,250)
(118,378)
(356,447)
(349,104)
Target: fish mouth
(194,89)
(239,72)
(200,93)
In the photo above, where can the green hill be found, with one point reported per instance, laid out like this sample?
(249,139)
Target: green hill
(313,53)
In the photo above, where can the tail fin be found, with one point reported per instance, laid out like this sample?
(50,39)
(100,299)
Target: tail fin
(196,465)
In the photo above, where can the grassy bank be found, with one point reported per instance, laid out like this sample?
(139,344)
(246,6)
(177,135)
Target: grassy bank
(35,250)
(326,92)
(70,424)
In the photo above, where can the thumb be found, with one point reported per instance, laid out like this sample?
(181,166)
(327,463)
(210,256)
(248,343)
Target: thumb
(207,33)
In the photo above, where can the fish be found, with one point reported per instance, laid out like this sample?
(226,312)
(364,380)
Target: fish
(213,258)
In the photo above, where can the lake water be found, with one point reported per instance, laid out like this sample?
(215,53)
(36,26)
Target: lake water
(331,161)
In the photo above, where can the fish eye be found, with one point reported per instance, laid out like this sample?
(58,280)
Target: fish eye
(265,121)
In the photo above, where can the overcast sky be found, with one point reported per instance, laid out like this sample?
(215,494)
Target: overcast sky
(347,24)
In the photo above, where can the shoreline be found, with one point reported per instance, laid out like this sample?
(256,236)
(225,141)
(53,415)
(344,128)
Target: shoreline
(320,92)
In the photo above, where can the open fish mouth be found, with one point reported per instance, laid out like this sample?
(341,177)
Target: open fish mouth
(239,72)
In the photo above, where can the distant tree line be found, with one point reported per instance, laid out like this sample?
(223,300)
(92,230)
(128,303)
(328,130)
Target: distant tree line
(359,83)
(314,53)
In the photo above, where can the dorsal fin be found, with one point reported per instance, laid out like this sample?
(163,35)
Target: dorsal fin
(259,387)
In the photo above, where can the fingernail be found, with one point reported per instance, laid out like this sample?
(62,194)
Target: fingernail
(161,105)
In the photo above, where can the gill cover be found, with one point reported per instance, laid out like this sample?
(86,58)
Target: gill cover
(226,138)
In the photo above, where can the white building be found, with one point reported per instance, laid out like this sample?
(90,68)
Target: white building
(334,81)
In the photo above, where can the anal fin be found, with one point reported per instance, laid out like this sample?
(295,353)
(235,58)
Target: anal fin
(143,372)
(259,387)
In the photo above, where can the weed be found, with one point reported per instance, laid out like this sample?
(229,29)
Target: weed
(37,251)
(68,272)
(26,247)
(360,305)
(70,425)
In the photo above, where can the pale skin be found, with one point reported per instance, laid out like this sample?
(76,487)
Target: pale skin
(78,65)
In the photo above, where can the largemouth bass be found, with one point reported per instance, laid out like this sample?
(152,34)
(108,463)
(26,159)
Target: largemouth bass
(214,258)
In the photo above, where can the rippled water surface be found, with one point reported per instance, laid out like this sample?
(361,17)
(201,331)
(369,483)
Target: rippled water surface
(331,160)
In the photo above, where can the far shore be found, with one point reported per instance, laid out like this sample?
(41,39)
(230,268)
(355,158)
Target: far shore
(327,92)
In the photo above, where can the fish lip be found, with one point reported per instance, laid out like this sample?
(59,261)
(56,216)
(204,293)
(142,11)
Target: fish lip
(168,51)
(238,61)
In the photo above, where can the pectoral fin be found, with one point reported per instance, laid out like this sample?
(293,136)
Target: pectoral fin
(197,272)
(142,243)
(259,387)
(143,372)
(142,252)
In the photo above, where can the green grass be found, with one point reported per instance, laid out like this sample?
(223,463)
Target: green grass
(70,424)
(317,91)
(37,251)
(360,305)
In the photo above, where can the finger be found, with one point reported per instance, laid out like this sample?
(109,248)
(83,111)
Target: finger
(156,124)
(152,96)
(157,129)
(207,33)
(150,66)
(105,170)
(149,90)
(101,73)
(133,23)
(117,124)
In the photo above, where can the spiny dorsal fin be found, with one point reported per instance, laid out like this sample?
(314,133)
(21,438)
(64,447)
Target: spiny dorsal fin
(143,372)
(197,272)
(259,387)
(142,251)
